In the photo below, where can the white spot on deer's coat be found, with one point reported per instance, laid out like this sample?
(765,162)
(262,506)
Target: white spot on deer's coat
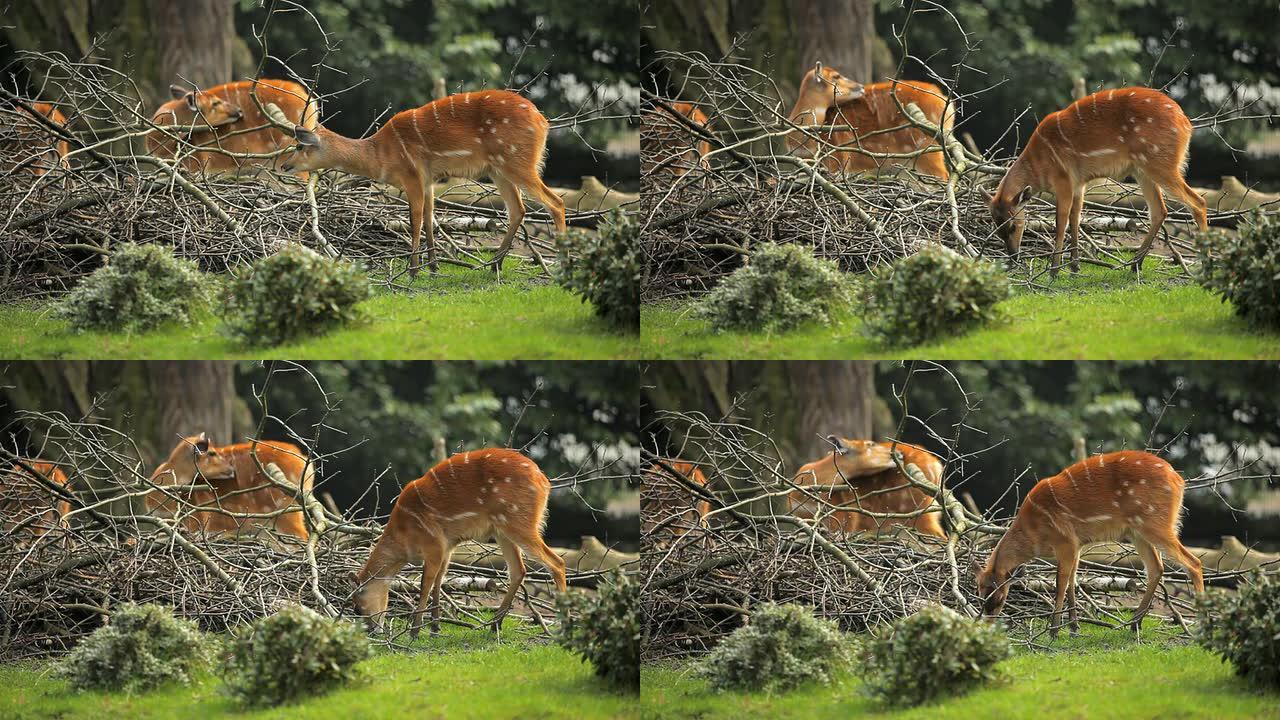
(1151,509)
(523,106)
(454,153)
(1131,93)
(1150,119)
(1116,503)
(504,460)
(466,457)
(506,480)
(1120,138)
(501,518)
(1168,107)
(1097,518)
(1143,481)
(506,121)
(478,140)
(467,98)
(488,121)
(1142,158)
(524,464)
(1147,100)
(1096,153)
(1130,491)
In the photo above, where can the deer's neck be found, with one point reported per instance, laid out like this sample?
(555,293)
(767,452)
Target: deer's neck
(358,156)
(810,109)
(384,562)
(1012,551)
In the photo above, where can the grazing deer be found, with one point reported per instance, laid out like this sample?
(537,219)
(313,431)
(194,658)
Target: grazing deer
(1109,134)
(851,111)
(673,509)
(232,471)
(25,137)
(220,118)
(472,495)
(492,131)
(863,474)
(1102,498)
(24,501)
(666,140)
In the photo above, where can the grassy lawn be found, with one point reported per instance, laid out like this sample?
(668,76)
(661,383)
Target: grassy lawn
(1099,314)
(1100,674)
(461,673)
(459,314)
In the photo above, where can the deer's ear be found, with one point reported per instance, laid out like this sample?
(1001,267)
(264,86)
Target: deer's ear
(306,137)
(202,444)
(191,102)
(990,197)
(178,92)
(1023,196)
(817,72)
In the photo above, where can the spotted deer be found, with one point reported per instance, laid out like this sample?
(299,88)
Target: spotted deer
(472,495)
(863,474)
(1109,134)
(1106,497)
(850,112)
(492,132)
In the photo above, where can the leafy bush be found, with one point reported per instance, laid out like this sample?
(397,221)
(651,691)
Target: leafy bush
(782,287)
(932,293)
(142,646)
(604,268)
(605,629)
(294,653)
(935,652)
(143,286)
(293,293)
(1243,627)
(782,647)
(1244,267)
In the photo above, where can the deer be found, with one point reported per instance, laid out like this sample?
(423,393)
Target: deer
(476,494)
(673,511)
(1106,497)
(665,138)
(239,485)
(224,118)
(865,474)
(24,506)
(1110,134)
(850,112)
(35,147)
(491,131)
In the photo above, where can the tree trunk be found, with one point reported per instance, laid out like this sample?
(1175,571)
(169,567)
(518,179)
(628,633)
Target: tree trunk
(798,403)
(839,33)
(156,43)
(154,403)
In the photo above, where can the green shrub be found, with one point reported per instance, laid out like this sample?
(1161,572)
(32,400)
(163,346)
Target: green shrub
(782,647)
(935,652)
(142,646)
(604,268)
(1244,267)
(143,286)
(782,287)
(932,293)
(292,654)
(293,293)
(605,629)
(1244,627)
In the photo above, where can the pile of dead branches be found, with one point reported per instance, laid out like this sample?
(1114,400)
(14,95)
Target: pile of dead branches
(701,219)
(58,226)
(59,578)
(702,578)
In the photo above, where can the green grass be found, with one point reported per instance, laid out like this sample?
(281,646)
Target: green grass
(461,673)
(1100,674)
(1099,314)
(460,314)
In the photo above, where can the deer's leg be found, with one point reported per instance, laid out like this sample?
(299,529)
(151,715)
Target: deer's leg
(436,588)
(1063,201)
(1189,197)
(1154,570)
(1073,598)
(1158,212)
(1077,207)
(432,568)
(413,193)
(551,201)
(1190,562)
(515,576)
(515,215)
(1067,557)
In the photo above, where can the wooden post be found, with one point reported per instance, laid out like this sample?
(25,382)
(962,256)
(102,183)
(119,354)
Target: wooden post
(437,90)
(1080,451)
(441,450)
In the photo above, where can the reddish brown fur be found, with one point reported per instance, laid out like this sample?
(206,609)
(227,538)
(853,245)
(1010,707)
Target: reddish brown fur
(24,497)
(869,467)
(1109,134)
(663,138)
(655,510)
(492,131)
(32,137)
(471,495)
(1105,497)
(230,468)
(852,121)
(290,97)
